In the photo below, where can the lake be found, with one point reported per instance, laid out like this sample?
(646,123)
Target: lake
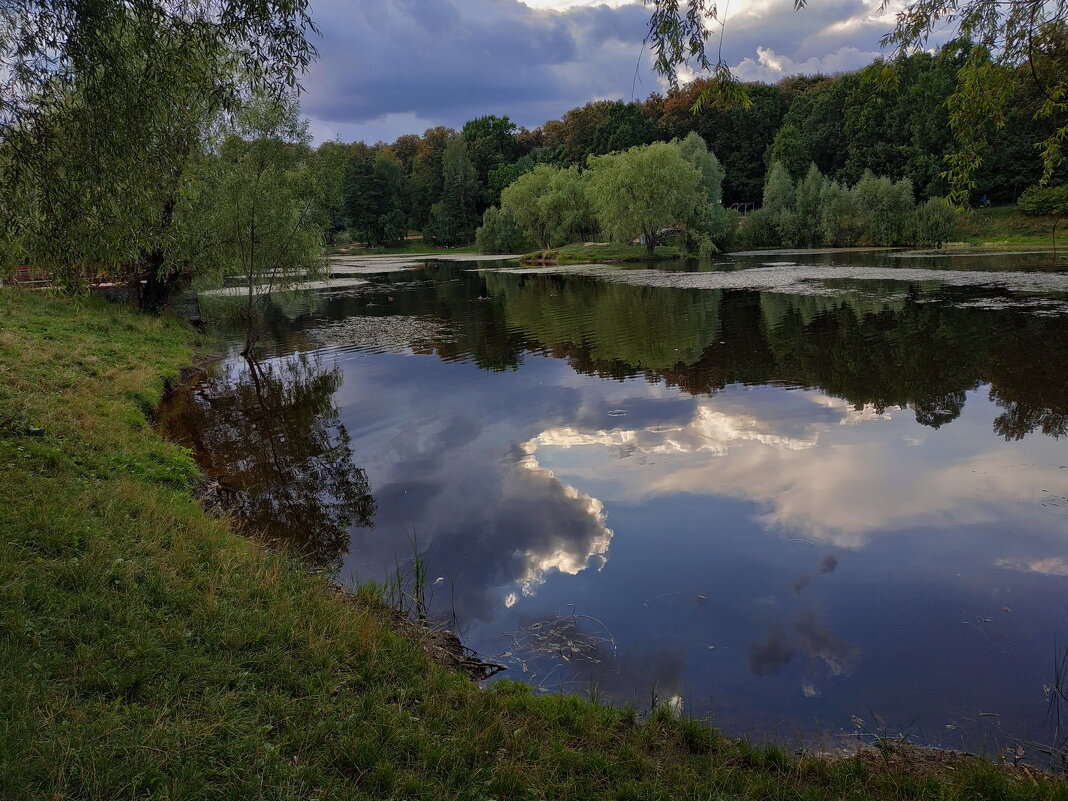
(816,496)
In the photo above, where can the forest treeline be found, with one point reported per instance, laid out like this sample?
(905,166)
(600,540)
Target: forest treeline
(846,125)
(206,177)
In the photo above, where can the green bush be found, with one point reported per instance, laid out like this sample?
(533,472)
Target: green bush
(500,233)
(1044,200)
(759,230)
(933,223)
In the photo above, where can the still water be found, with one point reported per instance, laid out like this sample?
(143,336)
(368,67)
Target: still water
(813,495)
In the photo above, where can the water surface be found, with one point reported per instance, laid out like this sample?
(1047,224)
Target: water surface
(814,495)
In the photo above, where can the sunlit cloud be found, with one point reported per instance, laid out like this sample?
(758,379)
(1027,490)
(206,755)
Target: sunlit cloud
(568,556)
(839,481)
(1053,566)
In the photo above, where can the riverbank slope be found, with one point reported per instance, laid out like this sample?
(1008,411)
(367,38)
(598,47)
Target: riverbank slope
(147,651)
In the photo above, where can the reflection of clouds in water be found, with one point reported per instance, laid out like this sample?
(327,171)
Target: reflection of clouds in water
(1053,566)
(711,431)
(563,553)
(833,483)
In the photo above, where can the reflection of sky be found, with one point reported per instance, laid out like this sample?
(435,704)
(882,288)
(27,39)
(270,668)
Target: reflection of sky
(817,467)
(769,554)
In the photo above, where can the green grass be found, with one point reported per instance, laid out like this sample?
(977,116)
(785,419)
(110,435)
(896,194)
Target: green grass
(147,652)
(1005,226)
(602,254)
(411,247)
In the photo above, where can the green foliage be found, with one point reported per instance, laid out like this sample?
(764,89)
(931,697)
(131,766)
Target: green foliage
(262,202)
(500,233)
(808,200)
(759,229)
(695,150)
(376,199)
(453,219)
(1044,200)
(550,205)
(491,143)
(624,126)
(840,222)
(877,211)
(638,192)
(789,150)
(778,190)
(886,207)
(330,163)
(933,223)
(107,114)
(523,202)
(995,40)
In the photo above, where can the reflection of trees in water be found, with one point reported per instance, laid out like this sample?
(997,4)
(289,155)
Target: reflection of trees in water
(918,350)
(271,435)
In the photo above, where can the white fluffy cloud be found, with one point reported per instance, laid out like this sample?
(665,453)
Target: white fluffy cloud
(769,66)
(840,481)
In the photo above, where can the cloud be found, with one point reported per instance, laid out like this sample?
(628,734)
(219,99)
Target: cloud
(402,66)
(770,66)
(1050,566)
(386,65)
(842,479)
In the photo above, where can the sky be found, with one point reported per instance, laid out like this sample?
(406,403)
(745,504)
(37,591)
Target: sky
(390,67)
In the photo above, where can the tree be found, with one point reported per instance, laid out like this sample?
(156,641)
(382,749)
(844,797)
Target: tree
(779,190)
(933,223)
(376,199)
(125,94)
(1000,36)
(522,200)
(491,143)
(694,149)
(808,199)
(644,189)
(500,233)
(789,150)
(624,126)
(330,162)
(264,201)
(428,173)
(453,218)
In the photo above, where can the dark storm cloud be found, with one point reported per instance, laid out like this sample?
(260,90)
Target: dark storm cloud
(403,65)
(447,61)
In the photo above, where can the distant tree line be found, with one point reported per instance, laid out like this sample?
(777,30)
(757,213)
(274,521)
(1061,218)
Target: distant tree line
(849,125)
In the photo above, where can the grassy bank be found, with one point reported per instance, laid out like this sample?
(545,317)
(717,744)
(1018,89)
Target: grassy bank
(1005,226)
(411,247)
(579,253)
(148,652)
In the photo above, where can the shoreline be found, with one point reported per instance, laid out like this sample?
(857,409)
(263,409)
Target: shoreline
(151,646)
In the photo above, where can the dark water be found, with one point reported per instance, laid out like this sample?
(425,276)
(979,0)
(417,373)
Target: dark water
(818,499)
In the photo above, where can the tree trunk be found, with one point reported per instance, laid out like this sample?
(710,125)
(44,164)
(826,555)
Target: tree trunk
(650,244)
(153,293)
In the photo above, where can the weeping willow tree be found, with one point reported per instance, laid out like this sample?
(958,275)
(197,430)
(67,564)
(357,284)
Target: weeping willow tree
(107,112)
(1003,41)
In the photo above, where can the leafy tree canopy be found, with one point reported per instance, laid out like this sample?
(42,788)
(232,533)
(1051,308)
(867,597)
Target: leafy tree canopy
(1001,37)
